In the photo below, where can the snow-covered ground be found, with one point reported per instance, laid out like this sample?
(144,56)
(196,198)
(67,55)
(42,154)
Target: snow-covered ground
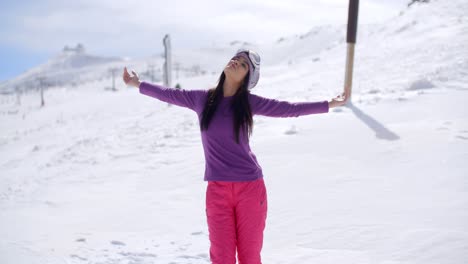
(117,177)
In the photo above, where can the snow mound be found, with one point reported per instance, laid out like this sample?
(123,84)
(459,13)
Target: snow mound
(421,85)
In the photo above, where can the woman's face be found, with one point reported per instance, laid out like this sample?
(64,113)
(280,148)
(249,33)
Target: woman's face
(237,69)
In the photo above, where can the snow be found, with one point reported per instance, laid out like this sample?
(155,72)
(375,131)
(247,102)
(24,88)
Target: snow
(98,176)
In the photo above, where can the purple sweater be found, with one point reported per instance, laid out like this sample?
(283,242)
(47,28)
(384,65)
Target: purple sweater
(225,160)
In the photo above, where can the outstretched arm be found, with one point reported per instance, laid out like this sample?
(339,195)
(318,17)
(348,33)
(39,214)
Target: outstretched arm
(180,97)
(276,108)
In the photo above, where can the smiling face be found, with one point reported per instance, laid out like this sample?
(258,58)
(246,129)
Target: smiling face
(237,69)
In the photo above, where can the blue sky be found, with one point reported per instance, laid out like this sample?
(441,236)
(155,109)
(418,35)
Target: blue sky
(33,31)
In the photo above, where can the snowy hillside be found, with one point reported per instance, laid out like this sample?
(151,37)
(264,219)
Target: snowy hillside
(72,66)
(117,177)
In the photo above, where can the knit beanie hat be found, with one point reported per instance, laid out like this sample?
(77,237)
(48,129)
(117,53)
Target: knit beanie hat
(254,65)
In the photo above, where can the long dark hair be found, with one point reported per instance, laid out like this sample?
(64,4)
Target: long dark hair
(240,105)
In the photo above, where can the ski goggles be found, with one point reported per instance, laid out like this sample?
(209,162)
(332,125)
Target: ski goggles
(253,56)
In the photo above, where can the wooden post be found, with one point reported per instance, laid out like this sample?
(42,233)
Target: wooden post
(351,40)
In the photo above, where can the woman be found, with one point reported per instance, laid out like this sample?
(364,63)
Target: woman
(236,199)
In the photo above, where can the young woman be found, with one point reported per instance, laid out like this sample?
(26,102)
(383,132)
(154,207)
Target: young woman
(236,198)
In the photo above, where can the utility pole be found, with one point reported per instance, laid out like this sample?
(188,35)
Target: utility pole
(18,95)
(42,83)
(167,69)
(177,68)
(168,62)
(151,71)
(113,71)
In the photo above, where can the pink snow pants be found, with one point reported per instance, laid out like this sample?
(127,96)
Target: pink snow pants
(236,214)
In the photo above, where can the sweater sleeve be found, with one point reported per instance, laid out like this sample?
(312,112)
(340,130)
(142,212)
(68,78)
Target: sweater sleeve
(185,98)
(275,108)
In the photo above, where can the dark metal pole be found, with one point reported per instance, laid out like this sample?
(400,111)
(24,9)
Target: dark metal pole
(351,40)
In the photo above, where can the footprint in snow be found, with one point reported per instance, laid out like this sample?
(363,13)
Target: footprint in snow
(78,257)
(291,131)
(198,256)
(184,247)
(117,243)
(138,254)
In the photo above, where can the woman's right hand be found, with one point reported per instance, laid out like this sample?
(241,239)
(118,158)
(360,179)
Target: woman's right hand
(131,80)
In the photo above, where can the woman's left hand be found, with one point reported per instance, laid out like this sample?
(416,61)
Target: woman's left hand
(340,100)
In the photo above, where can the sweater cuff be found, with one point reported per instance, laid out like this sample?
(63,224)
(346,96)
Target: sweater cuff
(141,85)
(145,88)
